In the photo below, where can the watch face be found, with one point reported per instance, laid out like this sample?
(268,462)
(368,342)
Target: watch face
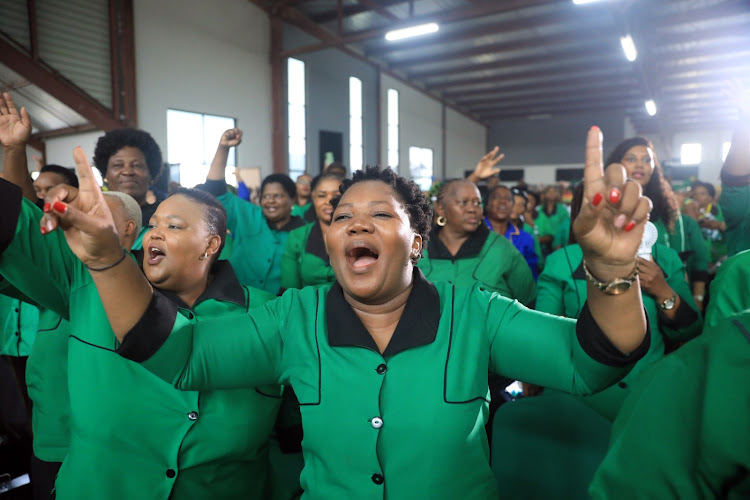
(618,286)
(667,304)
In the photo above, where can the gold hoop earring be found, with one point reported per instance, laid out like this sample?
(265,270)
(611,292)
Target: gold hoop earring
(441,221)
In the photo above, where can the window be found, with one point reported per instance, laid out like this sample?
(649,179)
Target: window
(296,124)
(690,154)
(725,150)
(356,154)
(420,167)
(191,142)
(393,129)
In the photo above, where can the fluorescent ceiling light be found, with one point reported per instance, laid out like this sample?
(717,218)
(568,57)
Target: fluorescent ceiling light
(628,46)
(651,107)
(422,29)
(583,2)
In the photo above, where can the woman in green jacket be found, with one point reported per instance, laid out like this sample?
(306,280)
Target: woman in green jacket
(462,250)
(305,261)
(683,431)
(391,370)
(132,436)
(260,232)
(671,310)
(677,231)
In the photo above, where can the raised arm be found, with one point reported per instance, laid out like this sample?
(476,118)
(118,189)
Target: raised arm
(229,139)
(486,166)
(609,229)
(42,267)
(15,131)
(737,163)
(91,234)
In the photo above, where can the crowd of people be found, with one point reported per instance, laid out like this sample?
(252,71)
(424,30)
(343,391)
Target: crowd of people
(179,345)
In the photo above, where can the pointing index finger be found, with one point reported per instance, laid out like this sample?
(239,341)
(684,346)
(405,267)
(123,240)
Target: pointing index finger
(86,180)
(593,171)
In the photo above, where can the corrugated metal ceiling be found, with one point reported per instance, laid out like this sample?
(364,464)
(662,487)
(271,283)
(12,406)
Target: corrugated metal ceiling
(503,59)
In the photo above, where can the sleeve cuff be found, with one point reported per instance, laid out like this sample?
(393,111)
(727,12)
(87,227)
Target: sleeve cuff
(699,275)
(11,197)
(735,180)
(215,187)
(684,316)
(151,331)
(595,343)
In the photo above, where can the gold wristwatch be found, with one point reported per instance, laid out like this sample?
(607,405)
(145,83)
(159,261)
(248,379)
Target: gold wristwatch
(616,286)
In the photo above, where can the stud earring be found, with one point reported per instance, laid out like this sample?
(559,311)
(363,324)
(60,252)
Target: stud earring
(441,221)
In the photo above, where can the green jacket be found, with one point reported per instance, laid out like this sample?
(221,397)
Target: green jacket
(46,379)
(562,291)
(405,424)
(735,203)
(47,382)
(305,261)
(486,257)
(133,436)
(687,240)
(730,289)
(256,256)
(549,224)
(683,433)
(18,324)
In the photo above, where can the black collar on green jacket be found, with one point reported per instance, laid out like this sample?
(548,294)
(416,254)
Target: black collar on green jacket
(470,248)
(294,223)
(417,327)
(223,287)
(315,244)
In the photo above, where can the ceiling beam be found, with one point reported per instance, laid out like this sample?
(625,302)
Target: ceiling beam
(372,5)
(77,129)
(536,93)
(351,10)
(593,36)
(568,15)
(58,86)
(444,17)
(577,108)
(574,70)
(612,96)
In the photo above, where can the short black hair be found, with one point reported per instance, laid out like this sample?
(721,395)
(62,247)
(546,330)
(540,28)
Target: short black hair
(707,185)
(325,176)
(521,193)
(447,185)
(215,215)
(114,140)
(286,183)
(67,173)
(662,208)
(420,212)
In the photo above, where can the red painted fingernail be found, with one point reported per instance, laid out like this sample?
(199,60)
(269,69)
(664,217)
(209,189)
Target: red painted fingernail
(614,195)
(59,207)
(594,127)
(46,208)
(629,226)
(597,199)
(43,230)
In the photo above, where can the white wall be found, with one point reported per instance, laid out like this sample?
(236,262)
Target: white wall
(420,124)
(465,143)
(60,149)
(710,166)
(205,57)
